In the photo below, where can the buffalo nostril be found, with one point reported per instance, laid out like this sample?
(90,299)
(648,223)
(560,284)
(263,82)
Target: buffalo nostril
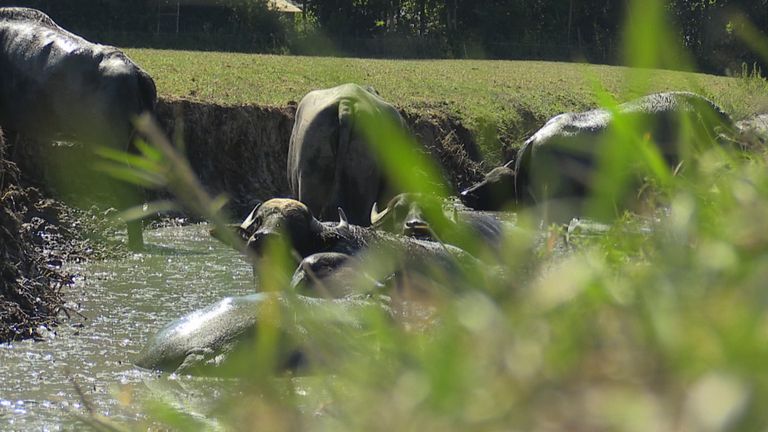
(413,223)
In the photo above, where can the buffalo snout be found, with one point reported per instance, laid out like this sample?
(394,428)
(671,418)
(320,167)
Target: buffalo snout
(260,239)
(416,227)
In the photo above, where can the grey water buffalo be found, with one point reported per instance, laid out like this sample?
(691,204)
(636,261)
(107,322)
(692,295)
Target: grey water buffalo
(216,339)
(330,160)
(425,216)
(559,160)
(55,84)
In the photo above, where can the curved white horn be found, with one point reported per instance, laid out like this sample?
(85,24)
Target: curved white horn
(374,212)
(251,217)
(342,219)
(375,215)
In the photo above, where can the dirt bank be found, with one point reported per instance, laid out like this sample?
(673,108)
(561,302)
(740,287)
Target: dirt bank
(33,245)
(242,150)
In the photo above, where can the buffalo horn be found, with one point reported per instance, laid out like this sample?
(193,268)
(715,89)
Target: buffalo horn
(375,215)
(342,219)
(251,218)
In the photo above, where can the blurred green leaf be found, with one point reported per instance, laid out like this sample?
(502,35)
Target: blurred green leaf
(146,210)
(128,174)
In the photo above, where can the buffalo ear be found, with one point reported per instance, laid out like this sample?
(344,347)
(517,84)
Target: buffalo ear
(377,217)
(251,218)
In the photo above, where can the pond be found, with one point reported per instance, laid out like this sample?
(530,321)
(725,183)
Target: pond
(124,302)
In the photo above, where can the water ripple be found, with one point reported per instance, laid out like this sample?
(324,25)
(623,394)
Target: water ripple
(125,302)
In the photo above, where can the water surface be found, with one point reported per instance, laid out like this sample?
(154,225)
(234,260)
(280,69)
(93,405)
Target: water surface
(124,302)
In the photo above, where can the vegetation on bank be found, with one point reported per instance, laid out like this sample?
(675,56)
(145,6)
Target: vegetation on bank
(502,102)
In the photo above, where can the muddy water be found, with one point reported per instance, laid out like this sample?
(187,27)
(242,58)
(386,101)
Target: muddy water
(124,302)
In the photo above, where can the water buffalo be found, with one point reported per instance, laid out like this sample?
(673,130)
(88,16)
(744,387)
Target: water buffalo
(424,216)
(330,162)
(54,83)
(211,340)
(307,235)
(559,160)
(384,253)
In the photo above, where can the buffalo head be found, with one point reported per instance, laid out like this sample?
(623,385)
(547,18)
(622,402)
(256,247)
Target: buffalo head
(410,214)
(494,192)
(282,217)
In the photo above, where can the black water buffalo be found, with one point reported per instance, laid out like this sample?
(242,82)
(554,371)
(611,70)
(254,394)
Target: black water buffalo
(330,162)
(425,216)
(54,83)
(559,160)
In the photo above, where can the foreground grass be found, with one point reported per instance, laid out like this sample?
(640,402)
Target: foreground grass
(500,101)
(658,323)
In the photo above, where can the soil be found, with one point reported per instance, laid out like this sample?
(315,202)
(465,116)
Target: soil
(33,247)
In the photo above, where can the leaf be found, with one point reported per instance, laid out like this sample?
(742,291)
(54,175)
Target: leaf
(150,209)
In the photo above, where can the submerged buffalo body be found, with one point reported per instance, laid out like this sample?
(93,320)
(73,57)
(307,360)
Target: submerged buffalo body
(332,275)
(559,160)
(330,161)
(306,235)
(208,340)
(54,83)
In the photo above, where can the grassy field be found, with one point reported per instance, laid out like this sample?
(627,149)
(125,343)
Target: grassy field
(503,100)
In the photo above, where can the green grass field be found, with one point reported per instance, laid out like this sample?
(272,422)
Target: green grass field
(496,99)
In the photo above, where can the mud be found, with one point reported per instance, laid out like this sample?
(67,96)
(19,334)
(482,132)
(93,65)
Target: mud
(33,246)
